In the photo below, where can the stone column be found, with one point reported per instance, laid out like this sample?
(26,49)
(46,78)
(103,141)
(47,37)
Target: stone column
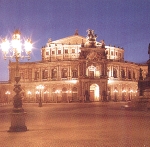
(112,71)
(58,72)
(84,69)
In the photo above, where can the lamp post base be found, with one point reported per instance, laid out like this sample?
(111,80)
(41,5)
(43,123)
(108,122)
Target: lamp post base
(18,122)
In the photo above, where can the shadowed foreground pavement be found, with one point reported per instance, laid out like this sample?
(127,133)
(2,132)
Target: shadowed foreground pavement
(77,125)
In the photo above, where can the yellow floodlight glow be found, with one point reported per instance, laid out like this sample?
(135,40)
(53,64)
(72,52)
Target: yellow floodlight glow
(97,92)
(115,90)
(110,81)
(29,92)
(123,90)
(73,81)
(28,46)
(37,92)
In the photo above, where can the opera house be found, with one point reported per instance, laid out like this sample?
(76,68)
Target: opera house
(77,69)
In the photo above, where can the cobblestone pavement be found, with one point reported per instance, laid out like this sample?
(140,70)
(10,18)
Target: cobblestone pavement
(77,125)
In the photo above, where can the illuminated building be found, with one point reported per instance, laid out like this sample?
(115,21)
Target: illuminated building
(78,68)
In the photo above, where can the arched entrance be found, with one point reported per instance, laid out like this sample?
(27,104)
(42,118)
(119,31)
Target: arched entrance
(94,92)
(74,94)
(64,94)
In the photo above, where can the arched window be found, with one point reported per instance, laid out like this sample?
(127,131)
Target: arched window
(64,73)
(114,72)
(92,70)
(36,75)
(74,94)
(129,74)
(133,75)
(44,74)
(64,94)
(122,73)
(54,73)
(74,73)
(64,89)
(108,72)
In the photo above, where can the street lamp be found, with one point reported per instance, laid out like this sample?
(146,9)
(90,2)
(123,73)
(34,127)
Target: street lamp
(7,93)
(14,49)
(40,88)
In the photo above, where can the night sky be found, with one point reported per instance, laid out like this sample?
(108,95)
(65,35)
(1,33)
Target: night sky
(123,23)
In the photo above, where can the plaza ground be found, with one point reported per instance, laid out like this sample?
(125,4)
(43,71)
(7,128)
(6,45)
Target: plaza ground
(77,125)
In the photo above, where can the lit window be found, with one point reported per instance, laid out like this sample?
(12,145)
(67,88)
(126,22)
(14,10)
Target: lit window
(92,68)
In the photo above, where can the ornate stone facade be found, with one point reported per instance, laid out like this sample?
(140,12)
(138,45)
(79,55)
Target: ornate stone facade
(76,68)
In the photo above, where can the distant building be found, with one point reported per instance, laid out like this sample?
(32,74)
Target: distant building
(76,68)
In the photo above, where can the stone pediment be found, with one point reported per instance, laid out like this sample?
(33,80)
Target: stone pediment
(75,39)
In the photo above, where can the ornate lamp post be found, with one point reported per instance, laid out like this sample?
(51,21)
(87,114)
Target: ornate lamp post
(14,49)
(7,93)
(40,88)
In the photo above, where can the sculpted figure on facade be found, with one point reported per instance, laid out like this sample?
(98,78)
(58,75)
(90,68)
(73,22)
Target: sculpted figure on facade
(103,43)
(90,39)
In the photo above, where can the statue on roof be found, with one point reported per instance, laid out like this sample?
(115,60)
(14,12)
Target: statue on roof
(49,40)
(91,39)
(103,43)
(91,36)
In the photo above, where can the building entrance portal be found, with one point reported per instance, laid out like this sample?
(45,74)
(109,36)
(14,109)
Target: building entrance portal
(94,92)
